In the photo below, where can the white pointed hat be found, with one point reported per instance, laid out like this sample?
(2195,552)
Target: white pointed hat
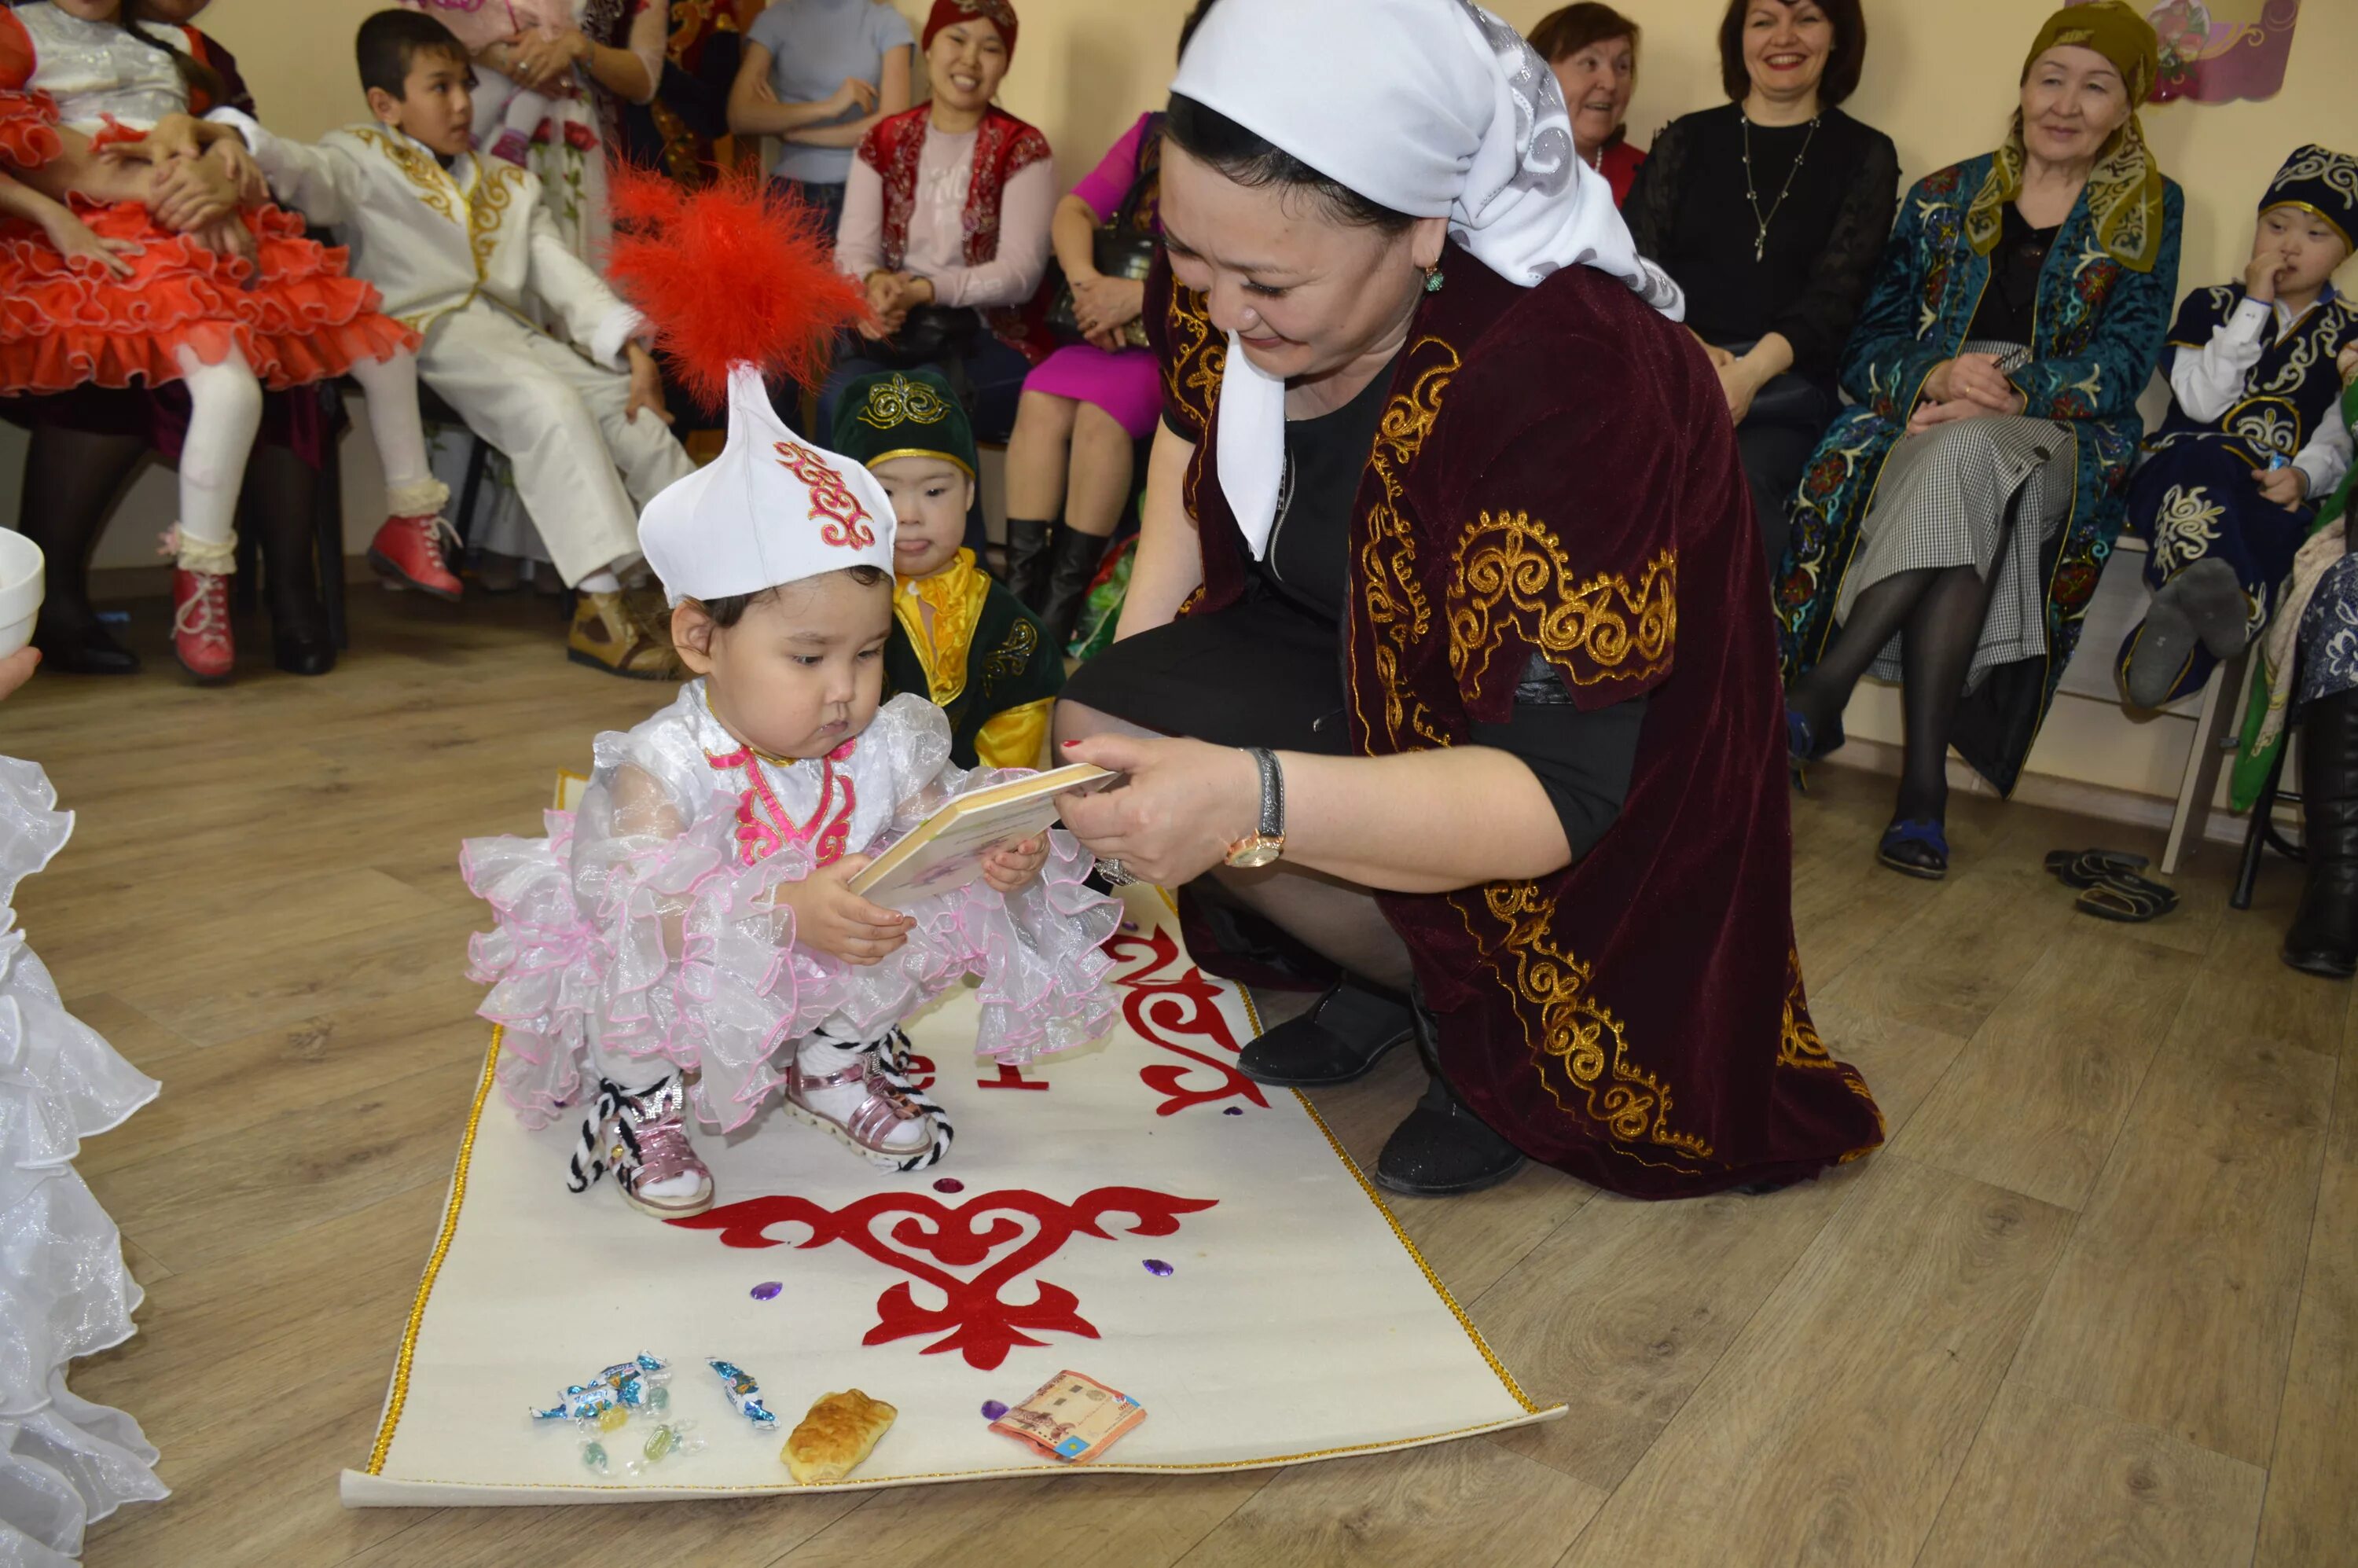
(769,510)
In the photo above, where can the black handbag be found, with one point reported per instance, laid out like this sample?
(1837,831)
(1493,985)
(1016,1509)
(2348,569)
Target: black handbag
(940,335)
(1122,247)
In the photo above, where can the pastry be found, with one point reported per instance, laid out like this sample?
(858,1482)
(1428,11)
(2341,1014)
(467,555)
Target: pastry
(841,1430)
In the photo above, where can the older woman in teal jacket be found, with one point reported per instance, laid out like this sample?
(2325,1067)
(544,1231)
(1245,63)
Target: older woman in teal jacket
(1951,526)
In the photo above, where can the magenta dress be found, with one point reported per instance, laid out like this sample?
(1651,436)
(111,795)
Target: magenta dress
(1125,382)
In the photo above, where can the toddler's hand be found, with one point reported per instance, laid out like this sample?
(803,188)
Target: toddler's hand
(2260,276)
(2286,487)
(75,241)
(2346,362)
(646,388)
(832,918)
(1013,867)
(17,668)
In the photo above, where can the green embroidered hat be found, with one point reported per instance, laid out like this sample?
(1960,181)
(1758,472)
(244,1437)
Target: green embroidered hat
(903,413)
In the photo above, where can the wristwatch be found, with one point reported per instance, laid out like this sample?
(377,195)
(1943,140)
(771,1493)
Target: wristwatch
(1261,849)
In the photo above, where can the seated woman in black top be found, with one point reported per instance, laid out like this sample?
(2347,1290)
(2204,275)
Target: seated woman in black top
(1771,214)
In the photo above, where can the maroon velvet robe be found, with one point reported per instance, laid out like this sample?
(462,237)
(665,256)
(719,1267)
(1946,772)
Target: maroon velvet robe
(1555,474)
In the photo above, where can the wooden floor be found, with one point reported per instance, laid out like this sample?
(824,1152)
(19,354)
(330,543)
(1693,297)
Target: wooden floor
(2097,1301)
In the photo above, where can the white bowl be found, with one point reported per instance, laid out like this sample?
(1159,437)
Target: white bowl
(20,589)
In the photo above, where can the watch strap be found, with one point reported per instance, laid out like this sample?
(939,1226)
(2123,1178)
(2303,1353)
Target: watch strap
(1273,792)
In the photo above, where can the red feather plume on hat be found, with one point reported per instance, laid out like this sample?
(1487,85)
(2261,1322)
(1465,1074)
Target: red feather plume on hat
(729,275)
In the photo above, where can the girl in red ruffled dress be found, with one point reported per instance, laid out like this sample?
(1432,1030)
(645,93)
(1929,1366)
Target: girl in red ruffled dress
(96,287)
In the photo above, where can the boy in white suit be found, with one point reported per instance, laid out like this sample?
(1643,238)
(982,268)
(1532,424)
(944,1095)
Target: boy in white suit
(465,254)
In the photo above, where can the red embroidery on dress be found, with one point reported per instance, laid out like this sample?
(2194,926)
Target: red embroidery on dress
(763,826)
(843,521)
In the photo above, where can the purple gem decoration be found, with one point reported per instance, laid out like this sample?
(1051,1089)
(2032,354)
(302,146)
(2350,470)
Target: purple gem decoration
(1233,1110)
(949,1185)
(992,1410)
(1158,1268)
(767,1290)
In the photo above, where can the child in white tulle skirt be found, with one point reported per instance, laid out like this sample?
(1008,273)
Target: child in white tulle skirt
(688,936)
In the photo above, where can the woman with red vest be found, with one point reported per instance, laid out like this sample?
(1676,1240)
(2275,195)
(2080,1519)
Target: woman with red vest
(945,222)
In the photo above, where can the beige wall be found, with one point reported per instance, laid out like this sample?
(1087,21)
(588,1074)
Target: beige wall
(1940,80)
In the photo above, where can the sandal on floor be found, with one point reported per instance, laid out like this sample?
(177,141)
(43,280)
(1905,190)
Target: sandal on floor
(1915,850)
(2086,868)
(2129,899)
(1802,744)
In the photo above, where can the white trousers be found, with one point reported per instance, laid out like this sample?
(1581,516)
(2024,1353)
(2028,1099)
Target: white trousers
(582,469)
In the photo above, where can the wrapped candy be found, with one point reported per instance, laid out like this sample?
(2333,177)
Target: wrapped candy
(625,1387)
(745,1392)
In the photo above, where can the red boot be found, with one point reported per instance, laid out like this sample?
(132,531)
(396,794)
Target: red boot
(201,630)
(410,550)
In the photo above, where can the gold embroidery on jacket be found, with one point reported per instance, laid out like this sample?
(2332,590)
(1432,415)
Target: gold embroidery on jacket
(1009,659)
(1602,629)
(1397,613)
(1198,355)
(1581,1034)
(434,184)
(494,192)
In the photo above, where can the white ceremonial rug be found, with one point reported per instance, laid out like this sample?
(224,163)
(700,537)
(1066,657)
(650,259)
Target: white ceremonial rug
(1138,1212)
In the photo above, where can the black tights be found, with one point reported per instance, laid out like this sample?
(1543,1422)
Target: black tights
(1937,614)
(277,505)
(73,478)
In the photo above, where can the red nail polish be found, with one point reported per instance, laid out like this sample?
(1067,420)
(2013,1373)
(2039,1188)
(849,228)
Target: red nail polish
(1070,744)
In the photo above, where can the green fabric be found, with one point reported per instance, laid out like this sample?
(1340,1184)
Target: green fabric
(2253,763)
(1101,611)
(900,411)
(1008,664)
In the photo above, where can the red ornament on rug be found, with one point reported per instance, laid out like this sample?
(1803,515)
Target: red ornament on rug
(932,1238)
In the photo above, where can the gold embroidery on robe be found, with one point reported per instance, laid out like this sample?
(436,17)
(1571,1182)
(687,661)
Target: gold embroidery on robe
(434,185)
(1397,613)
(1198,355)
(1602,629)
(1583,1036)
(1009,659)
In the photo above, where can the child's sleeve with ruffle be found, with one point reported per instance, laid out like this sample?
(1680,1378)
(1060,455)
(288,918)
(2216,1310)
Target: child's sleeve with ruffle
(28,117)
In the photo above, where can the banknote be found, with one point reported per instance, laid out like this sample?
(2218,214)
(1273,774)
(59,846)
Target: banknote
(1072,1417)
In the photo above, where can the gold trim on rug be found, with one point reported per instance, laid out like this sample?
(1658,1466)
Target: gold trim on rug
(400,1394)
(1424,1267)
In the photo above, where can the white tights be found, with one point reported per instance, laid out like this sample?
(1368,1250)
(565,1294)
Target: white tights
(226,412)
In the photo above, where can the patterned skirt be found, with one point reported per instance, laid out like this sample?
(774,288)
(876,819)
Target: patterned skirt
(1984,493)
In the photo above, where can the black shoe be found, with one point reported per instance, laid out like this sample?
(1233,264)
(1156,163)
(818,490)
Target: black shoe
(301,655)
(1444,1150)
(1026,575)
(2323,939)
(78,645)
(1072,563)
(1342,1037)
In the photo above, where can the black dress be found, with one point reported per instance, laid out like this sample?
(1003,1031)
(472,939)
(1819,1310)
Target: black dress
(1691,211)
(1268,670)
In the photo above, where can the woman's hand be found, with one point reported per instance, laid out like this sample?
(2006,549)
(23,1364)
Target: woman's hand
(885,312)
(75,241)
(2286,487)
(1738,386)
(1720,358)
(1103,306)
(1183,804)
(853,94)
(228,237)
(832,918)
(1929,415)
(244,174)
(540,59)
(1977,379)
(1012,868)
(646,387)
(191,194)
(17,668)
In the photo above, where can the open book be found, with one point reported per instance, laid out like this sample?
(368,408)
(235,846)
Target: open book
(947,849)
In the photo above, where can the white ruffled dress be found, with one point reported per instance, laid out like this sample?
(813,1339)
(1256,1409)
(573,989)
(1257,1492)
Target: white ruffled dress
(643,928)
(65,1463)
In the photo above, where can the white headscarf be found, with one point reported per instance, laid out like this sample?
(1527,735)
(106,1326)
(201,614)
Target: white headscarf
(1434,108)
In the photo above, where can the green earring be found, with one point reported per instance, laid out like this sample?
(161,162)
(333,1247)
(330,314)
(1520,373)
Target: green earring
(1432,280)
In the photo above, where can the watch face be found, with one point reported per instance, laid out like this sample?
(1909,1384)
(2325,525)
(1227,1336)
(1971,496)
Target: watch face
(1254,853)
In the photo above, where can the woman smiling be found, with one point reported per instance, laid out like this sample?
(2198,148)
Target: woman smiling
(1771,212)
(1593,51)
(945,222)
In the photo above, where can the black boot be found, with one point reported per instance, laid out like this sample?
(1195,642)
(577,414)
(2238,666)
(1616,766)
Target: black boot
(279,492)
(1073,565)
(1443,1149)
(1342,1037)
(1026,575)
(2324,936)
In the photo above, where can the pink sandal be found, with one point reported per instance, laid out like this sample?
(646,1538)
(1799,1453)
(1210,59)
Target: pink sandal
(649,1150)
(890,1102)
